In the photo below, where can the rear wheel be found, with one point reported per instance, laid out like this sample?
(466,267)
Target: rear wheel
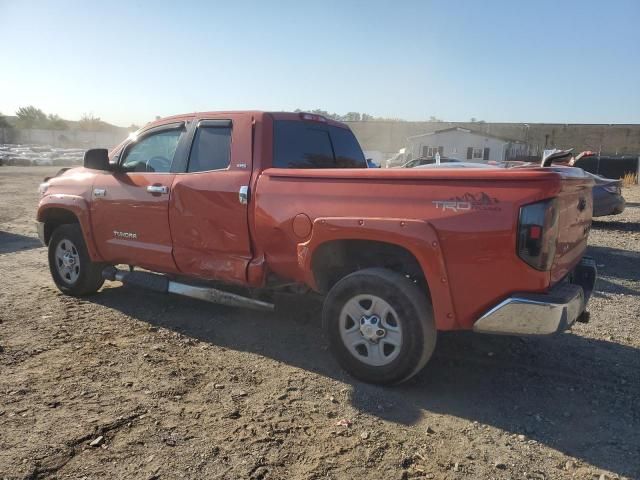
(71,268)
(380,326)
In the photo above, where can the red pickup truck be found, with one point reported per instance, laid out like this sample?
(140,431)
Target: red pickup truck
(261,202)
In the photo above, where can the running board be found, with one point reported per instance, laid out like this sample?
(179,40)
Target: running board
(160,283)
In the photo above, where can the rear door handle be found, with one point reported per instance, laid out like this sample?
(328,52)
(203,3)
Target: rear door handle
(157,189)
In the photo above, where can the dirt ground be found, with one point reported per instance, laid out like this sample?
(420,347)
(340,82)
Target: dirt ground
(131,384)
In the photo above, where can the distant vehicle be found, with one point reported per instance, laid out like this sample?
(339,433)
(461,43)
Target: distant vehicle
(607,196)
(372,164)
(397,159)
(452,163)
(416,162)
(607,192)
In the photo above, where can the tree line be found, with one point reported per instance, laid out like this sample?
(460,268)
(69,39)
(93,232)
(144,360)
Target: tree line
(32,117)
(350,116)
(365,117)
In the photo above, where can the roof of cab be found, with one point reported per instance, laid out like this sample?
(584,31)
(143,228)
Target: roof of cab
(257,113)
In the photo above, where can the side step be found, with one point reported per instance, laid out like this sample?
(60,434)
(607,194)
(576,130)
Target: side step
(160,283)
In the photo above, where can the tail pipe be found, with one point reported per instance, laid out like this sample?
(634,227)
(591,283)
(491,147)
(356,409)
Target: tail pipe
(160,283)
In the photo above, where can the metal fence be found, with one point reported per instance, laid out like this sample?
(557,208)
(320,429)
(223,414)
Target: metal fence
(611,166)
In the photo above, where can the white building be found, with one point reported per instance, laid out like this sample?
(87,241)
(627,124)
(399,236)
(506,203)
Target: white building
(464,144)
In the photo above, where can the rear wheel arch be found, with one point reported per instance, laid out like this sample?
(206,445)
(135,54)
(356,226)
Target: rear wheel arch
(335,259)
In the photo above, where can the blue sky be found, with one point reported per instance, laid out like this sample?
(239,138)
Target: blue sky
(533,61)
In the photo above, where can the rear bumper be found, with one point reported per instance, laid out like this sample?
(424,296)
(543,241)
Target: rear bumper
(543,313)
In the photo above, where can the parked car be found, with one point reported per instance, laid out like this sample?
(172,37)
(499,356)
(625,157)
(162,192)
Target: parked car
(607,196)
(457,164)
(371,163)
(270,202)
(607,192)
(416,162)
(396,159)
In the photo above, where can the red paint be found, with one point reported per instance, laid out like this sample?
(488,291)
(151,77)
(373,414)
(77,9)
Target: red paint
(129,208)
(459,225)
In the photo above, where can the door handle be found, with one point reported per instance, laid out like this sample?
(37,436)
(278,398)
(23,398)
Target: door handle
(157,189)
(243,195)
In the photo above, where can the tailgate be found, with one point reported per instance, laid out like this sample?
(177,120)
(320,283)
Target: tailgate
(575,206)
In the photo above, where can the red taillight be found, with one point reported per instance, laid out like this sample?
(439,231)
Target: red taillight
(537,233)
(313,117)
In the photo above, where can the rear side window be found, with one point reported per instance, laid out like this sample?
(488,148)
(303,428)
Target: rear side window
(299,144)
(347,149)
(211,149)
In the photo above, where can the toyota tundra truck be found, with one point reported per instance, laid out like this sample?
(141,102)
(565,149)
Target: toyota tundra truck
(233,207)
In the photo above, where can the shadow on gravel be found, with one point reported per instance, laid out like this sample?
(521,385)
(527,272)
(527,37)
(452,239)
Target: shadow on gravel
(605,287)
(578,395)
(613,225)
(615,263)
(12,242)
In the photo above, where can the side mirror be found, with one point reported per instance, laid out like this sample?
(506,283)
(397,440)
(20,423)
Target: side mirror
(97,159)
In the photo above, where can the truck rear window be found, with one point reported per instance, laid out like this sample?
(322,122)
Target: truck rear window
(299,144)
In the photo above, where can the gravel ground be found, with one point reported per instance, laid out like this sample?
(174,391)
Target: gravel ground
(131,384)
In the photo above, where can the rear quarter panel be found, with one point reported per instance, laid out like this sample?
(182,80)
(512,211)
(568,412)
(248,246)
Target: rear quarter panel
(475,229)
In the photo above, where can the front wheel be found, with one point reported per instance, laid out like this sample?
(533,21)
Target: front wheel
(380,326)
(71,268)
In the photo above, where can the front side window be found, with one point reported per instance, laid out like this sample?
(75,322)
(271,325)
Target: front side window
(299,144)
(211,149)
(153,153)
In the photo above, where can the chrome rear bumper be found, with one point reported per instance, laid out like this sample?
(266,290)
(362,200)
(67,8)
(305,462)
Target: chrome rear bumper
(543,313)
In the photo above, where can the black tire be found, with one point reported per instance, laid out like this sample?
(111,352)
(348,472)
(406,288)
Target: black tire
(414,314)
(88,277)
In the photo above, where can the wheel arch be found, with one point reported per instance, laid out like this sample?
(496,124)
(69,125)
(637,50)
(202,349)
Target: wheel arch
(335,259)
(54,217)
(339,246)
(67,209)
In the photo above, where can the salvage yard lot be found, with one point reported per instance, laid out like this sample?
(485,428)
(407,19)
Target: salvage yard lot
(132,384)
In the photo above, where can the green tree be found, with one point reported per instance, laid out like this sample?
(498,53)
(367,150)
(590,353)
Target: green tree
(352,117)
(31,117)
(90,123)
(54,122)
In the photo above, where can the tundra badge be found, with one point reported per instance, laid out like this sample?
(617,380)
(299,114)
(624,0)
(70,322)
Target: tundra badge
(126,235)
